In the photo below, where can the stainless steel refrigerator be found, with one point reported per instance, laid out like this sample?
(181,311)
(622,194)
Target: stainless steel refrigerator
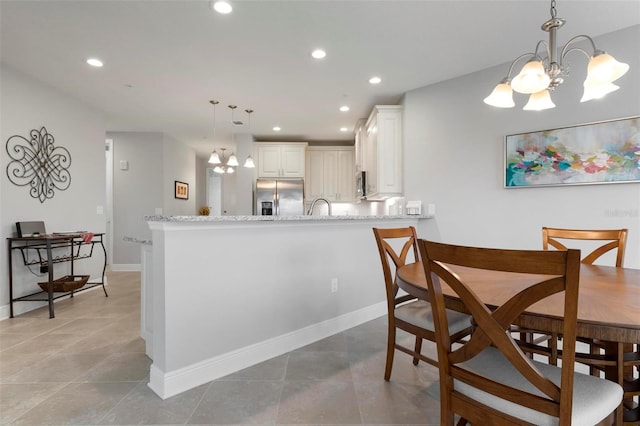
(279,197)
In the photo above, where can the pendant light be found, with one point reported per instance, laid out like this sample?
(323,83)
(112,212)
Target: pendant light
(222,163)
(249,161)
(544,71)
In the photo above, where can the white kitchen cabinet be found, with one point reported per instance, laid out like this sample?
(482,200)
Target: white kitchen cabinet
(330,174)
(360,139)
(382,152)
(280,160)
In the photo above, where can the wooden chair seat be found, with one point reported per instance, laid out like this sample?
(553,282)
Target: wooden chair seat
(419,313)
(591,396)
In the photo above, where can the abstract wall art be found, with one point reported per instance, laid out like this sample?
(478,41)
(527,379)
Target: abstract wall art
(595,153)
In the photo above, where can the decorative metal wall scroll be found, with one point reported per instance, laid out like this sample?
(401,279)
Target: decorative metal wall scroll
(39,164)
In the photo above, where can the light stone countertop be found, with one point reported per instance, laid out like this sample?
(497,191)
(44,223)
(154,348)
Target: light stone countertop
(306,218)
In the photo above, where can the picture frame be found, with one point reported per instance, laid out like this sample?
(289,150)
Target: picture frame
(181,190)
(595,153)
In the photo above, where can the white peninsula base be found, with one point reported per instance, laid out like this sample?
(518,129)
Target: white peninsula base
(223,293)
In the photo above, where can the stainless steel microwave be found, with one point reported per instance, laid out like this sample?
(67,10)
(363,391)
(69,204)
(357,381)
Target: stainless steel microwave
(361,185)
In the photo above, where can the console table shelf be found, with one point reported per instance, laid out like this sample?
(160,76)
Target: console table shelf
(38,250)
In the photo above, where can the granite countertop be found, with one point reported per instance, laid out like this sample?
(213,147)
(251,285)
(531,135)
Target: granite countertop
(274,218)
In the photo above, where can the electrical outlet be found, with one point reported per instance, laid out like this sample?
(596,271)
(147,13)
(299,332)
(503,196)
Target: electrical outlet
(334,285)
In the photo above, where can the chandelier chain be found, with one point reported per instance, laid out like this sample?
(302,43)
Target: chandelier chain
(553,9)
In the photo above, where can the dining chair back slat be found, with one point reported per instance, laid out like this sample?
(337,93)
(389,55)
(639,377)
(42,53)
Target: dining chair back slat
(617,239)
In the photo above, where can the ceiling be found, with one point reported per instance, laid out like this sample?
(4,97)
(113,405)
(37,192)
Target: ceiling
(165,60)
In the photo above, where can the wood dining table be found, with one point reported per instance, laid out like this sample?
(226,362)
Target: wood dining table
(608,307)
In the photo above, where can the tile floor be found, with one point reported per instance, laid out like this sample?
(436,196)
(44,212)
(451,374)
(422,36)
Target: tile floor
(87,367)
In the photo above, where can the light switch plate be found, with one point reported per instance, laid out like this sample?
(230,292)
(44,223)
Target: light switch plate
(431,210)
(124,165)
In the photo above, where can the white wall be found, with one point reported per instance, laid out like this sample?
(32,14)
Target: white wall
(179,165)
(156,161)
(137,191)
(453,157)
(26,105)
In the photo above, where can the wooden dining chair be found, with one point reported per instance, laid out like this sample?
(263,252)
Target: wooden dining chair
(489,379)
(406,312)
(597,358)
(606,240)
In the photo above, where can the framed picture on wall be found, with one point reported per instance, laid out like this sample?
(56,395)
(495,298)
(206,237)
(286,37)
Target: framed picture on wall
(181,190)
(602,152)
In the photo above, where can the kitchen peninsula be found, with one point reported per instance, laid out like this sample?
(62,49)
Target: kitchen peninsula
(222,293)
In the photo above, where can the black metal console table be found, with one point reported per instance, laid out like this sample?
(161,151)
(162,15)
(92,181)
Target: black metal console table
(39,250)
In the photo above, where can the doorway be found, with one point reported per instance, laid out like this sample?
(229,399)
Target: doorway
(214,192)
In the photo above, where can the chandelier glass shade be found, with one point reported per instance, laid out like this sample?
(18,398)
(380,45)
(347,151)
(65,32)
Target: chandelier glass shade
(544,71)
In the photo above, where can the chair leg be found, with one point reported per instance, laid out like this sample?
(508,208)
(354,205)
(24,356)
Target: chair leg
(391,348)
(418,349)
(553,344)
(594,350)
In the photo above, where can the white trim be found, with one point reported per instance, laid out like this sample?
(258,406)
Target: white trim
(172,383)
(109,197)
(126,267)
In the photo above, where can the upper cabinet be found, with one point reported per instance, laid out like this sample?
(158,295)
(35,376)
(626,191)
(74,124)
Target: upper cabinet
(330,173)
(360,139)
(382,152)
(280,160)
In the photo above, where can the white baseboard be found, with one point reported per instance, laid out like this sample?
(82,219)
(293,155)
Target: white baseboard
(174,382)
(124,267)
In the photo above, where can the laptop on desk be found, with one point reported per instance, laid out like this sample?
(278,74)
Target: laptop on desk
(30,229)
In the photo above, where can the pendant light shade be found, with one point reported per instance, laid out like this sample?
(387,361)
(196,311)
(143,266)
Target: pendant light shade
(501,97)
(214,158)
(233,161)
(249,163)
(596,91)
(604,68)
(539,101)
(532,78)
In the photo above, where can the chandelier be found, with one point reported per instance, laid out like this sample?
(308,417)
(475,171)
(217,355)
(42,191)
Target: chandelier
(224,164)
(544,71)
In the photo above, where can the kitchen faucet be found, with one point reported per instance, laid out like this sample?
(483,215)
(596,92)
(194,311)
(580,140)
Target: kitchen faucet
(313,204)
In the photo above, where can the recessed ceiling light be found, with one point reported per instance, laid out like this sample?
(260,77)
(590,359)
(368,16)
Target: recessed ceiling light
(276,129)
(375,80)
(318,53)
(344,108)
(221,7)
(344,129)
(94,62)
